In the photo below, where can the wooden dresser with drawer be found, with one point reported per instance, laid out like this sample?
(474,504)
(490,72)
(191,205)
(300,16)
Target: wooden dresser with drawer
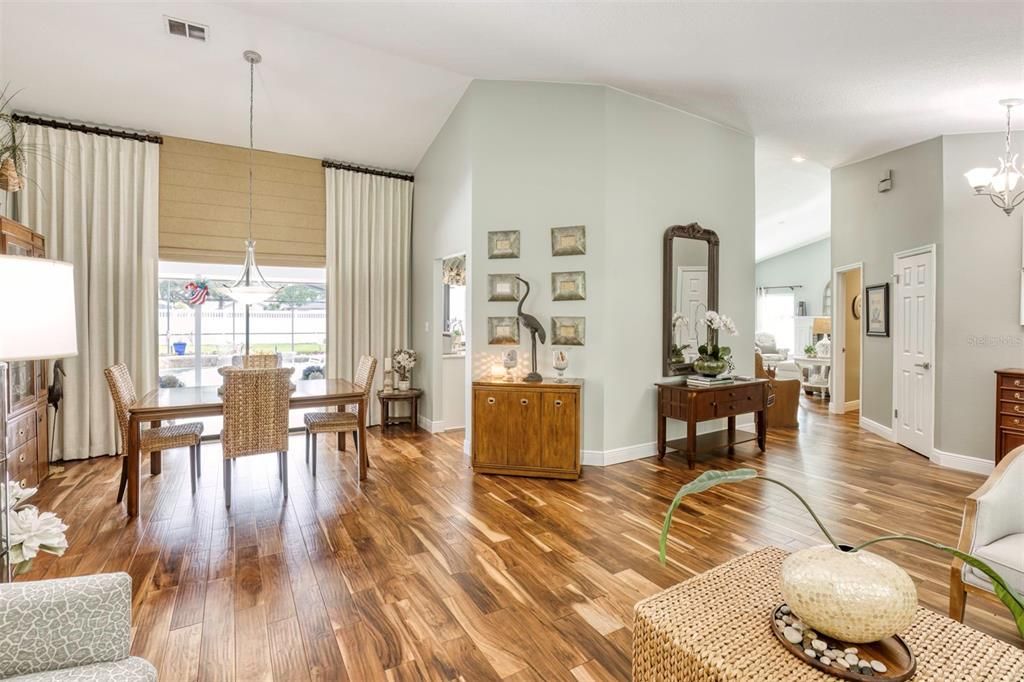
(1009,411)
(26,379)
(522,429)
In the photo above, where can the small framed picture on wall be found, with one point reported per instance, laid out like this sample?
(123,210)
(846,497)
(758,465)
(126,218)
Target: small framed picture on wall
(877,297)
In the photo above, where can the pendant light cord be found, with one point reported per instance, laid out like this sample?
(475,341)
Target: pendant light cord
(252,77)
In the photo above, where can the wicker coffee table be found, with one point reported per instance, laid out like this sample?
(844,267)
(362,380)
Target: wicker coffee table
(715,627)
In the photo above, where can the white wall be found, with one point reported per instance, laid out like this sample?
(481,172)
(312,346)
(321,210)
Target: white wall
(442,216)
(979,267)
(809,267)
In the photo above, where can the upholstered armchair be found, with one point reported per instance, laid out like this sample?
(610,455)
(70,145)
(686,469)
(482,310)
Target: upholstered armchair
(765,343)
(993,531)
(785,400)
(69,629)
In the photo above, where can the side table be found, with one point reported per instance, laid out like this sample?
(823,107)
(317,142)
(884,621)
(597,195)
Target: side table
(412,396)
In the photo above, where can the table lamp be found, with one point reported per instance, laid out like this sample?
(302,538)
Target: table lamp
(37,322)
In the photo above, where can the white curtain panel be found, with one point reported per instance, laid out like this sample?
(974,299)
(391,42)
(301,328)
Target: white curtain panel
(95,199)
(369,236)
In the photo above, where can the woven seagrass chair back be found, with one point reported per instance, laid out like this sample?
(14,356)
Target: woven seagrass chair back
(255,410)
(261,361)
(364,378)
(122,390)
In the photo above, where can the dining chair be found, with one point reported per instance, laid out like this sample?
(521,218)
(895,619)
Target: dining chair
(344,421)
(257,361)
(122,390)
(255,418)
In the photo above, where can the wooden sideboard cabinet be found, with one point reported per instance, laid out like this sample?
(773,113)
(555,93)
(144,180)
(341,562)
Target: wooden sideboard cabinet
(522,429)
(1009,411)
(26,380)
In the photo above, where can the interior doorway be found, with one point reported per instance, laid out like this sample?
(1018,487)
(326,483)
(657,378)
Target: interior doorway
(848,334)
(913,345)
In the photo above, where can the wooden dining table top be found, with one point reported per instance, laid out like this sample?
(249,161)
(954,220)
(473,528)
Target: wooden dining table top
(205,400)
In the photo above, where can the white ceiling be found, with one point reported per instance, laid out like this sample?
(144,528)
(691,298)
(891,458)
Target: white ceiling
(373,82)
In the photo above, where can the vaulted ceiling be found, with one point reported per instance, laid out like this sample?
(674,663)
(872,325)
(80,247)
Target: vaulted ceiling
(373,82)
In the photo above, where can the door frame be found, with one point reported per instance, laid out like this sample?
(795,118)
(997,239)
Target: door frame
(931,251)
(837,405)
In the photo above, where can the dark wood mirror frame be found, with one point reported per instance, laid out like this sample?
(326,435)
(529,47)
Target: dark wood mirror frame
(696,232)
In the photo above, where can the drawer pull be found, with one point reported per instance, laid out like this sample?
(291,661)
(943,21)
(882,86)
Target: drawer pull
(24,482)
(21,457)
(1016,420)
(1017,408)
(558,403)
(1017,395)
(524,401)
(1017,382)
(490,401)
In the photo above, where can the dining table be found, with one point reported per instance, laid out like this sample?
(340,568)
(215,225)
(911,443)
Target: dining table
(165,404)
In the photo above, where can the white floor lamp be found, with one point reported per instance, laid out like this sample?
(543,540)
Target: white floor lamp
(37,322)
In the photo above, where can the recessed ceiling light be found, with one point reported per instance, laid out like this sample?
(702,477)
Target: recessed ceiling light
(798,159)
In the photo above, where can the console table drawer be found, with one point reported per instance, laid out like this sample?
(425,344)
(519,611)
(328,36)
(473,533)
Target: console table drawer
(21,430)
(1012,394)
(1011,381)
(1008,421)
(734,407)
(1006,407)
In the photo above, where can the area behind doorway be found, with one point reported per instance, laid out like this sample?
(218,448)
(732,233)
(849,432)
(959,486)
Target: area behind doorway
(847,338)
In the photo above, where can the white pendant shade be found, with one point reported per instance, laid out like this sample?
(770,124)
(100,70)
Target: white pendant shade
(979,178)
(999,184)
(37,309)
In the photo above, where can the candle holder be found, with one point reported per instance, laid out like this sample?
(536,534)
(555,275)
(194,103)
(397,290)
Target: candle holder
(560,362)
(510,359)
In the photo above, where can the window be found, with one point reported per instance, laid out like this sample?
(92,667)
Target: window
(775,316)
(195,340)
(454,306)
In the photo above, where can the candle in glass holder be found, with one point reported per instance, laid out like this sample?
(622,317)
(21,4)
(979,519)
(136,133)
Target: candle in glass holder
(497,371)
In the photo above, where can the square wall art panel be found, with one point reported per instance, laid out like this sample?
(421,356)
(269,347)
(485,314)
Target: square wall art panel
(502,287)
(568,331)
(569,241)
(503,244)
(503,331)
(569,286)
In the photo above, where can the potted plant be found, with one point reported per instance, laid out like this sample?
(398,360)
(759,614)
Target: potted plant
(404,359)
(179,347)
(714,359)
(827,584)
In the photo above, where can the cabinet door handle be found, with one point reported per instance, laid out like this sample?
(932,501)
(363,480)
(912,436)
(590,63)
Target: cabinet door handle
(21,457)
(1016,382)
(1017,395)
(24,482)
(523,401)
(558,403)
(1016,408)
(1016,421)
(490,401)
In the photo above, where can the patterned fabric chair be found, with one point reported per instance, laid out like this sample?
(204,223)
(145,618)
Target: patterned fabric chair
(344,421)
(255,418)
(993,530)
(67,630)
(122,390)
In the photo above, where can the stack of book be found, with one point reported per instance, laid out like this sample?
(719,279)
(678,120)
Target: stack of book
(704,382)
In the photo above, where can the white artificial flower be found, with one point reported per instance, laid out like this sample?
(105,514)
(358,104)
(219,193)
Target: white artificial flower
(32,532)
(712,320)
(17,494)
(729,325)
(678,319)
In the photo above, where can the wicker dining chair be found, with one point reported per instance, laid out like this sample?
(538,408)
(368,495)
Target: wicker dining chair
(257,361)
(122,390)
(344,421)
(255,418)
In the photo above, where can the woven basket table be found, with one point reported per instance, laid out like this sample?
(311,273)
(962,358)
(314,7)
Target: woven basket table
(715,627)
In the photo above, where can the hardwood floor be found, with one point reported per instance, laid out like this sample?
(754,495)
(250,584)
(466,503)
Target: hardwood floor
(430,572)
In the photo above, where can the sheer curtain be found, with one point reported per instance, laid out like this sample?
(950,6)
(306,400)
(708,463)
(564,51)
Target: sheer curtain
(95,199)
(775,312)
(369,236)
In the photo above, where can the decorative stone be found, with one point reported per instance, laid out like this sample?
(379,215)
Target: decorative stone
(826,660)
(851,659)
(788,620)
(792,635)
(798,625)
(851,650)
(785,609)
(810,633)
(780,625)
(866,671)
(863,663)
(811,652)
(851,596)
(841,662)
(878,666)
(818,645)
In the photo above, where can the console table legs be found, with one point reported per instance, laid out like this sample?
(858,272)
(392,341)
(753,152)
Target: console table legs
(661,437)
(691,442)
(761,419)
(731,430)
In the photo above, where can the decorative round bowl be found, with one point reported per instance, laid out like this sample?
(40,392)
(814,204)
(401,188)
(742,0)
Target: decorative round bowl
(709,367)
(852,596)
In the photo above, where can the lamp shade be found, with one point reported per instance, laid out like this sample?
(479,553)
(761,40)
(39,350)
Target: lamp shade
(978,178)
(37,309)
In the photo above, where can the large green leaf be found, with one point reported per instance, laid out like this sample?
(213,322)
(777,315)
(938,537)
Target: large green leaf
(1013,601)
(708,479)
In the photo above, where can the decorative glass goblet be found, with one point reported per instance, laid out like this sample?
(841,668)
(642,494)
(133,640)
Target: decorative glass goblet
(560,362)
(510,359)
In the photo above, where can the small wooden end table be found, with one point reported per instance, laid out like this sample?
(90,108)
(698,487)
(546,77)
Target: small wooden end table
(412,396)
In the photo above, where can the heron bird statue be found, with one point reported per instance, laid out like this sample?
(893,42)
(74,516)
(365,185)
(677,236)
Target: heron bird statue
(536,329)
(54,394)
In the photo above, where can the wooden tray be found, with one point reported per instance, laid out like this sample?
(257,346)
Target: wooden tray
(892,651)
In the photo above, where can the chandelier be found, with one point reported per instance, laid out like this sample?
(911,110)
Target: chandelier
(998,184)
(252,287)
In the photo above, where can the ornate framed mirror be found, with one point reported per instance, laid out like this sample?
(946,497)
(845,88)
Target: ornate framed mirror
(689,279)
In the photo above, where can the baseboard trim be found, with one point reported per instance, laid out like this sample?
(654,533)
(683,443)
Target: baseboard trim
(952,460)
(628,453)
(852,405)
(874,427)
(430,426)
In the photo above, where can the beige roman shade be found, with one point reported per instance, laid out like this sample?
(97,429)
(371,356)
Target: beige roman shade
(204,205)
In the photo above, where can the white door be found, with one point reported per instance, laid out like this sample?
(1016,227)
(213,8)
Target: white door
(692,292)
(914,325)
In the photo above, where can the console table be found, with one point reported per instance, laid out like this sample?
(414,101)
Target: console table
(715,626)
(695,404)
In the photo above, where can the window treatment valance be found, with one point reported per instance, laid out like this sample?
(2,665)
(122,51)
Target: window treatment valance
(369,235)
(453,271)
(95,199)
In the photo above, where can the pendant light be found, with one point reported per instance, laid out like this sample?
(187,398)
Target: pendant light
(252,287)
(998,184)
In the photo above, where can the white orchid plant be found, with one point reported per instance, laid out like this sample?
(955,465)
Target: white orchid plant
(679,322)
(404,359)
(31,531)
(715,323)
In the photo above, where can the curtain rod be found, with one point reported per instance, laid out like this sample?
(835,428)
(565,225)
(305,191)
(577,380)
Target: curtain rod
(784,286)
(382,172)
(92,130)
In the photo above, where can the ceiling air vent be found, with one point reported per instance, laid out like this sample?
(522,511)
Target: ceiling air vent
(186,29)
